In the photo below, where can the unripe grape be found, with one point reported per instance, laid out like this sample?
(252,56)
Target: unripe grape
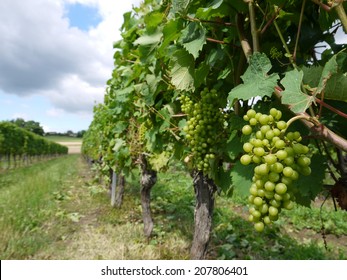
(289,160)
(275,203)
(277,167)
(280,188)
(251,113)
(253,121)
(269,134)
(247,147)
(265,128)
(274,177)
(253,191)
(279,159)
(251,199)
(259,135)
(259,226)
(288,171)
(258,201)
(281,154)
(289,205)
(295,175)
(304,161)
(263,169)
(247,129)
(281,125)
(273,112)
(280,144)
(261,192)
(306,170)
(269,186)
(259,151)
(256,159)
(264,209)
(270,159)
(273,211)
(267,220)
(286,180)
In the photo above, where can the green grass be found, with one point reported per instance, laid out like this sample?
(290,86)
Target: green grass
(29,206)
(54,210)
(56,138)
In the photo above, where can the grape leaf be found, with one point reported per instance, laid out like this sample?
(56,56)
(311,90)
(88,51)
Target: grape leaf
(148,39)
(242,178)
(312,75)
(193,38)
(256,81)
(310,186)
(182,70)
(292,95)
(180,6)
(204,12)
(118,144)
(158,161)
(333,80)
(171,32)
(223,180)
(153,20)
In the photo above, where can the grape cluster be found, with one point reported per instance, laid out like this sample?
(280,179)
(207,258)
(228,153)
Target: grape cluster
(280,158)
(204,122)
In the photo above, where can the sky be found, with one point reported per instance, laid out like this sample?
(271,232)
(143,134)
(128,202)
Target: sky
(56,57)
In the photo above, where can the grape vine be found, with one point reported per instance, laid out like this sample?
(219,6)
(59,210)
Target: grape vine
(185,74)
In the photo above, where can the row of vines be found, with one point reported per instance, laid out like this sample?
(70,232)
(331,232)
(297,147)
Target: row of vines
(244,93)
(21,147)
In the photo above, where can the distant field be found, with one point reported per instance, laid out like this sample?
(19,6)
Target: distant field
(63,139)
(73,143)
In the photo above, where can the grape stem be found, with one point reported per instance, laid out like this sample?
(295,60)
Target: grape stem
(320,130)
(298,117)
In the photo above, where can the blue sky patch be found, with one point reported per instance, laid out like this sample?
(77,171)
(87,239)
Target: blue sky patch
(82,17)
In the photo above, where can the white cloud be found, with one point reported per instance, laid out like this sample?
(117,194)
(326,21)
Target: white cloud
(41,54)
(54,112)
(20,116)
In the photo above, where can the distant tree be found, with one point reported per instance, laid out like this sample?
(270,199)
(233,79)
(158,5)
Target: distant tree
(70,133)
(80,133)
(32,126)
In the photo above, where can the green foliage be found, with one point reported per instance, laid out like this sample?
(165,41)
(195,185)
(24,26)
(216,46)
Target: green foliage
(177,48)
(32,126)
(182,70)
(16,141)
(293,96)
(256,80)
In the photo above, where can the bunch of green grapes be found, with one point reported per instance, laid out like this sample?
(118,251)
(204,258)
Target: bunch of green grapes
(280,158)
(204,122)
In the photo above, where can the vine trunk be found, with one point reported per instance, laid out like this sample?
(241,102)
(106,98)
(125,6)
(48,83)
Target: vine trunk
(204,192)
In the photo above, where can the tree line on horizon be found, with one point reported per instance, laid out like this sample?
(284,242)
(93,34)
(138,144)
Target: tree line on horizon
(36,128)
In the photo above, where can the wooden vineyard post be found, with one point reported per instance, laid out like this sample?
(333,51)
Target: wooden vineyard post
(113,189)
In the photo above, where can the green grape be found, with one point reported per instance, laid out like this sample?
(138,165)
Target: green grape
(259,226)
(247,147)
(279,158)
(247,129)
(269,186)
(204,120)
(288,171)
(281,188)
(258,201)
(270,159)
(259,151)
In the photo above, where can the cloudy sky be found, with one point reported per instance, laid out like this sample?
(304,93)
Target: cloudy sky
(55,58)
